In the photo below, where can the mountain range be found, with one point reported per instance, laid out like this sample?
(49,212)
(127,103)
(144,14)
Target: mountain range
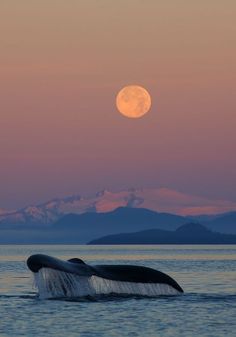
(161,200)
(81,228)
(79,220)
(91,225)
(133,219)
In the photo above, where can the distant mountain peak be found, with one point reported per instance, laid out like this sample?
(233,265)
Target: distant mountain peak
(192,227)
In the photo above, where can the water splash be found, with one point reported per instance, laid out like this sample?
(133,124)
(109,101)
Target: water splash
(55,284)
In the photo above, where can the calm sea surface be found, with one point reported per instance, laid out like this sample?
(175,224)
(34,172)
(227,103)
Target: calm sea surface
(206,273)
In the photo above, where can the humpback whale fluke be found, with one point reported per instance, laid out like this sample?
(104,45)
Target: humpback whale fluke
(74,278)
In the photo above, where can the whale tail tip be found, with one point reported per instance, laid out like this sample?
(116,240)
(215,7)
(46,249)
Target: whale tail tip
(76,260)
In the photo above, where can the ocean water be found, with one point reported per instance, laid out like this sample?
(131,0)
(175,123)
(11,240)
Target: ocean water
(207,308)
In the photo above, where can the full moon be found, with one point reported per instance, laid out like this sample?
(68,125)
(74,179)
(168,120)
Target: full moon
(133,101)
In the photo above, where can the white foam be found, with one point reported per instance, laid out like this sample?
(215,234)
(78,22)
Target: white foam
(55,284)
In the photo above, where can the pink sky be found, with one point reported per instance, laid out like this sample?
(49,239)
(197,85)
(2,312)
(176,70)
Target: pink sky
(61,66)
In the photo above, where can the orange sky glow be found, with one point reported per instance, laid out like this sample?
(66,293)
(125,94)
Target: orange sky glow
(61,66)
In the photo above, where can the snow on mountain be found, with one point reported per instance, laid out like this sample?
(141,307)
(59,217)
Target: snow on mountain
(3,211)
(171,201)
(158,199)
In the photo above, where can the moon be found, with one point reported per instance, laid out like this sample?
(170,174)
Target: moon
(133,101)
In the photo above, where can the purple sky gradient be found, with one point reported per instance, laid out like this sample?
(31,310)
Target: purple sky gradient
(61,66)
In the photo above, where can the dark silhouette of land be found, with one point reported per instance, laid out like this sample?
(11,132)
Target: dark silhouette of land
(190,233)
(81,228)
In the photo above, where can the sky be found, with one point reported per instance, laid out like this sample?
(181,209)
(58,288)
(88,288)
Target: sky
(62,64)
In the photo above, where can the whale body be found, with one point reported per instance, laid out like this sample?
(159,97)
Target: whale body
(75,278)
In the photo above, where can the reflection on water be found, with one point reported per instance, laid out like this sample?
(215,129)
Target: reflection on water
(208,307)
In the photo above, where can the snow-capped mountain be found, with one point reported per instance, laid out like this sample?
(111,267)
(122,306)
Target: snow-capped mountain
(2,211)
(5,212)
(159,199)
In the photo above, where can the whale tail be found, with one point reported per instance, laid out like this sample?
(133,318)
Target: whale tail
(74,278)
